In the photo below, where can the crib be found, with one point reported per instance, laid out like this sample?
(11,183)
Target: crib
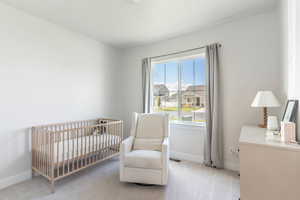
(59,150)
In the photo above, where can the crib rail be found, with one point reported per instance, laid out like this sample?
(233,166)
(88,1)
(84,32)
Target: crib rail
(59,150)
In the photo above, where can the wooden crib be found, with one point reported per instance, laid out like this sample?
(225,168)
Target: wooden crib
(59,150)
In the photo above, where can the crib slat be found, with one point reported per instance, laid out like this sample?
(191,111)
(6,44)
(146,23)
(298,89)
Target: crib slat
(52,152)
(89,147)
(115,138)
(85,143)
(47,152)
(96,145)
(43,151)
(104,140)
(33,146)
(57,150)
(82,132)
(68,152)
(33,151)
(100,142)
(93,147)
(107,139)
(39,150)
(73,133)
(63,150)
(44,144)
(121,135)
(77,141)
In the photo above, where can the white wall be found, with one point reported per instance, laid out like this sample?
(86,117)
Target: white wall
(250,62)
(47,74)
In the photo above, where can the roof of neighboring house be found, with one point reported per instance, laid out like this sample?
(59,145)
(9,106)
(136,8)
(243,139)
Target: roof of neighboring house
(196,88)
(193,90)
(160,90)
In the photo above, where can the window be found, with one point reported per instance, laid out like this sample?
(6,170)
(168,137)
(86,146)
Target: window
(179,87)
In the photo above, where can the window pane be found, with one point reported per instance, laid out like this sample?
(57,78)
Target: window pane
(200,71)
(193,90)
(200,90)
(158,86)
(187,90)
(171,101)
(158,74)
(165,89)
(187,74)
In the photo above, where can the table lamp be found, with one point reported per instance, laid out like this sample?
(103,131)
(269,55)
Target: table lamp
(265,99)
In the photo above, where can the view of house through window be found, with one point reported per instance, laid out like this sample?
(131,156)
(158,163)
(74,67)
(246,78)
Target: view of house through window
(179,88)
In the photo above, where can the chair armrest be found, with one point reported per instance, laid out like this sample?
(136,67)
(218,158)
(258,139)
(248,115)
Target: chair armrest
(125,148)
(165,160)
(165,148)
(126,145)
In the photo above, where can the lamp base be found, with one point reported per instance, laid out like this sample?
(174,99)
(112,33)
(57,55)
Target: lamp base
(265,117)
(262,126)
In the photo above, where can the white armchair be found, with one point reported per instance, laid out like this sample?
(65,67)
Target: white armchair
(144,156)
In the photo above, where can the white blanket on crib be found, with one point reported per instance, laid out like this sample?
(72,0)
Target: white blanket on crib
(73,148)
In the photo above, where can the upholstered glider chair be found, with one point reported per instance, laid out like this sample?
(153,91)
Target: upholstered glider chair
(144,156)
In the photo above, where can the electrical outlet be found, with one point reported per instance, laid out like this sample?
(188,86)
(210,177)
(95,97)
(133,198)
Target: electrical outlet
(235,151)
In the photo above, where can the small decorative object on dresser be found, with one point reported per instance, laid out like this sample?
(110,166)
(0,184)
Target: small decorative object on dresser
(272,123)
(290,112)
(288,132)
(288,124)
(265,99)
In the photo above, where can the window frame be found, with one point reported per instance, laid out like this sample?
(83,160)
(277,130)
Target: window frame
(178,58)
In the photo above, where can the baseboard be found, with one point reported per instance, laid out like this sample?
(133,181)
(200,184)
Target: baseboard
(15,179)
(186,157)
(233,166)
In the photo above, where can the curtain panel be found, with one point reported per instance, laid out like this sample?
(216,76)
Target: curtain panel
(213,143)
(146,84)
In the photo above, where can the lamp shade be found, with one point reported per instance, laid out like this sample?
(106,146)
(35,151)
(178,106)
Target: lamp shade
(265,99)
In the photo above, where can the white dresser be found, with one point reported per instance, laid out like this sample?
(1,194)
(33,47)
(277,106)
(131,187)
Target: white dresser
(270,169)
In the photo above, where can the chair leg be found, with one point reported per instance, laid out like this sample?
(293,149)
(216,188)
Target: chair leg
(52,186)
(33,173)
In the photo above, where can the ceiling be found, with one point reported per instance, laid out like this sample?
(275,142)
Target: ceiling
(124,23)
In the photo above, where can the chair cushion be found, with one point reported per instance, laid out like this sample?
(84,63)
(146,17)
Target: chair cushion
(143,159)
(147,144)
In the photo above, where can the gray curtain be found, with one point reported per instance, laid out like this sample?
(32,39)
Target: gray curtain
(146,84)
(213,143)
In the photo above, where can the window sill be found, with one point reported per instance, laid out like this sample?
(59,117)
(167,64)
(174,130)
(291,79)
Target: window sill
(191,124)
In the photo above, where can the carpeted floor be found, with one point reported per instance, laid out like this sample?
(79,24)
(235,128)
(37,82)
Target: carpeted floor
(187,181)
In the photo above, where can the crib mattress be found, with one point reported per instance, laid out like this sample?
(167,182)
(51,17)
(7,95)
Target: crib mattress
(78,148)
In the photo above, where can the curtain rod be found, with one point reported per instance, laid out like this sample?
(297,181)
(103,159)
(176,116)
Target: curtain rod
(179,52)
